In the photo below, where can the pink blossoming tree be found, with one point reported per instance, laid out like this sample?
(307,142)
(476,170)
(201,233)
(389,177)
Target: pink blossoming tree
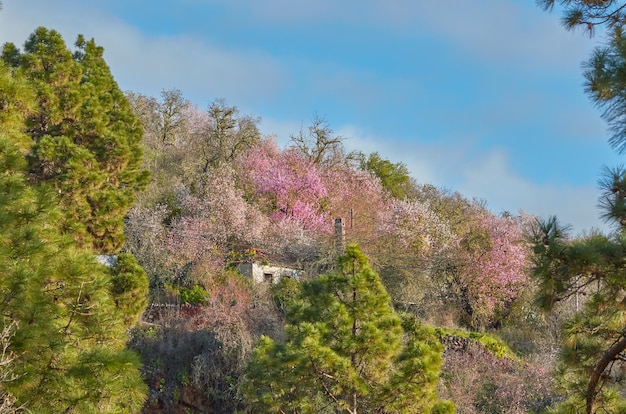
(212,225)
(487,270)
(287,184)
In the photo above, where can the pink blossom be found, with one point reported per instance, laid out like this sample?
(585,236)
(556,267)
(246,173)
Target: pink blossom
(289,184)
(496,276)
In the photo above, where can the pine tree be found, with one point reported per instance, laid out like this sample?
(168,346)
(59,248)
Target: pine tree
(590,270)
(69,344)
(85,138)
(129,287)
(346,350)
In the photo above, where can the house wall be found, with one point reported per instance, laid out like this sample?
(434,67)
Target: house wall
(265,273)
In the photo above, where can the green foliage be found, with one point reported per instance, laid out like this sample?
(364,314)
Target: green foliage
(490,342)
(589,270)
(588,14)
(494,345)
(285,293)
(346,350)
(16,102)
(70,342)
(129,287)
(85,139)
(395,178)
(443,407)
(605,84)
(194,295)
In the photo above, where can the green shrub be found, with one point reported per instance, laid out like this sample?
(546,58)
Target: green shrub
(196,295)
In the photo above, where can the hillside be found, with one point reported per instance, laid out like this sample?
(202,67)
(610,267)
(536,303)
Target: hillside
(161,257)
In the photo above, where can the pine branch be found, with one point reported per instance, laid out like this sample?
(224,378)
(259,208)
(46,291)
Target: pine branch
(599,369)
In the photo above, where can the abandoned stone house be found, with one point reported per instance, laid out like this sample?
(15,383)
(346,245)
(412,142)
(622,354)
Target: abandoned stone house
(261,273)
(257,272)
(264,273)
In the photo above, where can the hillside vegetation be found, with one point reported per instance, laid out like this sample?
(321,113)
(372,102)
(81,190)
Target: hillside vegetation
(124,220)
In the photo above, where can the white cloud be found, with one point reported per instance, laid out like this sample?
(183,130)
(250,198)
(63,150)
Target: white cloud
(491,178)
(201,70)
(502,32)
(486,176)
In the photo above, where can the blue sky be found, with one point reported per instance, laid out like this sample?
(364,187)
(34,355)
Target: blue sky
(482,97)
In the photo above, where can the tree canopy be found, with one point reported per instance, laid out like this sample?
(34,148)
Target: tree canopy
(590,270)
(605,83)
(69,337)
(85,137)
(394,177)
(346,350)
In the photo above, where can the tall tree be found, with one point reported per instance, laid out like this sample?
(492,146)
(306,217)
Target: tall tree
(346,350)
(408,237)
(494,268)
(228,135)
(594,346)
(320,145)
(86,140)
(289,184)
(591,270)
(171,144)
(69,340)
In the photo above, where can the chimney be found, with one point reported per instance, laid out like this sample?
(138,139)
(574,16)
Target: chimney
(339,234)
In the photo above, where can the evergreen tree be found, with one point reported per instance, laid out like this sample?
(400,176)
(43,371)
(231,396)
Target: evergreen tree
(589,271)
(85,138)
(395,178)
(129,287)
(69,344)
(606,85)
(346,350)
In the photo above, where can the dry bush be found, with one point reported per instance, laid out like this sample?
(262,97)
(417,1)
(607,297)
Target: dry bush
(479,382)
(194,355)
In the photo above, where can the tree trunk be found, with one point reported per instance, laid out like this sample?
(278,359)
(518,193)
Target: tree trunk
(608,356)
